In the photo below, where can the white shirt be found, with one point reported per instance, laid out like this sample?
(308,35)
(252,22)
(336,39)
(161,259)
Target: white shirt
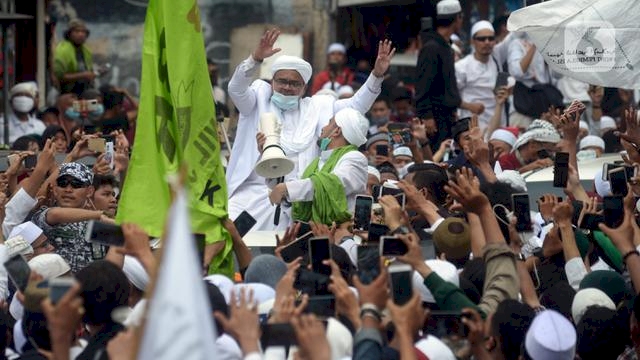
(537,73)
(476,82)
(19,128)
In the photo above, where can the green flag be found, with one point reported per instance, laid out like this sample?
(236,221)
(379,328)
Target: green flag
(176,126)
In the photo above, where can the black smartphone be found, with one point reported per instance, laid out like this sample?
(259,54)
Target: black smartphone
(400,277)
(382,150)
(297,249)
(407,138)
(277,335)
(375,192)
(618,181)
(392,246)
(591,221)
(444,324)
(520,206)
(312,283)
(368,263)
(200,240)
(362,213)
(304,228)
(60,286)
(613,211)
(244,222)
(501,80)
(561,170)
(395,192)
(104,233)
(19,271)
(320,250)
(543,154)
(323,306)
(376,231)
(30,161)
(577,209)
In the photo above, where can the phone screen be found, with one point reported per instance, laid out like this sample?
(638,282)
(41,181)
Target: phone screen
(382,150)
(501,80)
(591,221)
(376,231)
(105,233)
(323,306)
(59,286)
(18,271)
(561,170)
(368,263)
(297,249)
(320,250)
(30,161)
(618,181)
(277,335)
(304,228)
(446,324)
(521,211)
(362,214)
(386,190)
(244,222)
(577,209)
(402,288)
(613,211)
(392,246)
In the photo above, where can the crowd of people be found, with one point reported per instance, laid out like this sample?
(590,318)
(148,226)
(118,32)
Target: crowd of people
(438,161)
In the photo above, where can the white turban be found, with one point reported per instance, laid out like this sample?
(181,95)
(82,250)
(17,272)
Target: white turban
(336,47)
(514,179)
(28,230)
(135,273)
(505,136)
(592,141)
(606,123)
(539,130)
(481,25)
(354,126)
(286,62)
(24,87)
(373,171)
(345,90)
(583,125)
(446,270)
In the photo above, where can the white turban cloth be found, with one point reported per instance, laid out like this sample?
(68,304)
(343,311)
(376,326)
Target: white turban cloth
(287,62)
(354,126)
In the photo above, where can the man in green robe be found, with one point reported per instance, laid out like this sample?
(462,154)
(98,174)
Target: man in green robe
(73,62)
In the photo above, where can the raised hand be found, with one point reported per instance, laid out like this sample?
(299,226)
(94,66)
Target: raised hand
(243,322)
(312,338)
(466,191)
(385,53)
(265,46)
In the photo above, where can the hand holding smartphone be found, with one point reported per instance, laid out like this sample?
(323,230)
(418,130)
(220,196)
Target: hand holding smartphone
(362,214)
(561,170)
(58,287)
(320,250)
(104,233)
(520,203)
(19,271)
(400,278)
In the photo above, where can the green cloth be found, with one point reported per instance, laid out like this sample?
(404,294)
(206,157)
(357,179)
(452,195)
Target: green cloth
(177,129)
(65,61)
(610,282)
(448,296)
(612,256)
(329,202)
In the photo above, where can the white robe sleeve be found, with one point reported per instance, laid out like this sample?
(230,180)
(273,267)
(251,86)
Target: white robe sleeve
(576,271)
(17,210)
(516,53)
(461,74)
(363,99)
(243,97)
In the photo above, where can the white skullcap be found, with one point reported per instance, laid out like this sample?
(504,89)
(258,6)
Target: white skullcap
(402,151)
(134,271)
(336,47)
(592,141)
(327,92)
(287,62)
(373,171)
(261,292)
(345,90)
(503,135)
(404,171)
(446,270)
(539,130)
(607,122)
(551,336)
(481,25)
(224,284)
(434,349)
(17,245)
(49,265)
(603,188)
(514,179)
(354,126)
(586,298)
(583,125)
(24,87)
(448,7)
(28,230)
(455,37)
(339,338)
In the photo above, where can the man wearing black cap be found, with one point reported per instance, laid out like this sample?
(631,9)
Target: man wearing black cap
(73,62)
(437,96)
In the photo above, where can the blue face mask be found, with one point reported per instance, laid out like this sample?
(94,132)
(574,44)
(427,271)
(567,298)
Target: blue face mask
(97,113)
(284,102)
(324,143)
(72,114)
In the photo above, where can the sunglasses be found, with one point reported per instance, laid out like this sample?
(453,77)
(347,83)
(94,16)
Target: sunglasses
(75,183)
(484,38)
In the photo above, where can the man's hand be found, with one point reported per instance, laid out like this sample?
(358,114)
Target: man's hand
(136,241)
(322,230)
(466,191)
(473,321)
(502,95)
(476,108)
(63,318)
(546,204)
(89,75)
(17,164)
(102,165)
(285,308)
(622,237)
(410,317)
(260,139)
(47,157)
(243,322)
(312,338)
(418,130)
(537,164)
(284,287)
(413,196)
(392,211)
(431,126)
(630,140)
(375,293)
(265,46)
(80,150)
(278,193)
(414,256)
(385,53)
(563,213)
(346,301)
(289,236)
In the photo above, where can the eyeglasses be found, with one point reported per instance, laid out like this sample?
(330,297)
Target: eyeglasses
(291,83)
(75,183)
(484,38)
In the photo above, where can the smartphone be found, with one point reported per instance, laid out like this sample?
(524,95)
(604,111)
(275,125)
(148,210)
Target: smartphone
(60,286)
(277,335)
(444,324)
(320,250)
(618,181)
(200,240)
(19,271)
(400,278)
(98,145)
(30,161)
(392,246)
(376,231)
(543,154)
(382,150)
(362,213)
(591,221)
(561,170)
(387,189)
(244,222)
(109,154)
(85,105)
(323,306)
(613,211)
(304,228)
(297,249)
(104,233)
(11,158)
(577,209)
(368,263)
(501,80)
(520,206)
(375,192)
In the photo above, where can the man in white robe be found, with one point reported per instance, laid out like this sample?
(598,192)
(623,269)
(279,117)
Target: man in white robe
(302,120)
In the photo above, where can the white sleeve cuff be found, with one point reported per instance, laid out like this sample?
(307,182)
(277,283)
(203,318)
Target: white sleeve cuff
(576,271)
(434,226)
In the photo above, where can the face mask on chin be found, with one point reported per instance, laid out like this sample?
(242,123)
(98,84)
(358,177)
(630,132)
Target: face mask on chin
(284,102)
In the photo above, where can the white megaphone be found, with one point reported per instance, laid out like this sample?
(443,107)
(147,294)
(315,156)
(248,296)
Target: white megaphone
(273,163)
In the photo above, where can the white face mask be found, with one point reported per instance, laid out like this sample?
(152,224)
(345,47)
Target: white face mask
(22,104)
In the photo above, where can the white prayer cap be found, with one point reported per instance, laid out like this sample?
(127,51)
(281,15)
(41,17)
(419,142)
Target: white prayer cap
(327,92)
(551,336)
(434,349)
(17,245)
(404,171)
(373,171)
(402,151)
(261,292)
(345,90)
(49,265)
(583,125)
(539,130)
(586,298)
(134,271)
(339,338)
(503,135)
(607,122)
(448,7)
(287,62)
(223,283)
(28,230)
(603,188)
(336,47)
(446,270)
(455,37)
(24,87)
(592,141)
(514,179)
(354,126)
(481,25)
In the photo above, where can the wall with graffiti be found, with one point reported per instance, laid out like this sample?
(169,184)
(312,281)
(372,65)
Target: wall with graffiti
(117,28)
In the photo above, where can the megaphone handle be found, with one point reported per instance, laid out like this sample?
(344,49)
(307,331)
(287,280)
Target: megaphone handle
(276,216)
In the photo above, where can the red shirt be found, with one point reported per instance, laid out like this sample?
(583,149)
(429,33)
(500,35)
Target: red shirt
(344,78)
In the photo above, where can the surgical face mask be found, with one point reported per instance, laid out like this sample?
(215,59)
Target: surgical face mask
(284,102)
(22,104)
(72,114)
(97,113)
(379,121)
(324,142)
